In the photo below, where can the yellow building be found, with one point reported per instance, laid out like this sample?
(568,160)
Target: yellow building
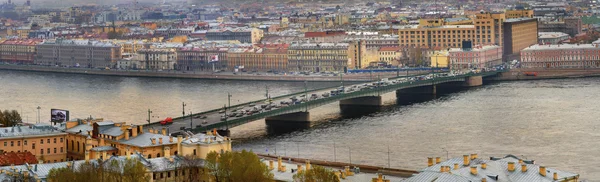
(390,55)
(20,32)
(439,59)
(486,29)
(522,13)
(47,144)
(371,58)
(265,58)
(357,50)
(520,33)
(318,57)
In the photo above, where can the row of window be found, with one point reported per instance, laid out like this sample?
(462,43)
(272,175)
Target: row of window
(48,151)
(12,143)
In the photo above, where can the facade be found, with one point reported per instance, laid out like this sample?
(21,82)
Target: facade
(19,50)
(201,59)
(440,59)
(472,168)
(569,25)
(318,57)
(561,56)
(85,53)
(478,57)
(43,141)
(244,35)
(357,54)
(389,55)
(519,13)
(519,34)
(156,59)
(266,58)
(485,30)
(552,37)
(325,36)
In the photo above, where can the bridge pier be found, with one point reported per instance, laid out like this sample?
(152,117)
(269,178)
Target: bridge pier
(290,119)
(363,101)
(226,133)
(473,81)
(360,106)
(416,94)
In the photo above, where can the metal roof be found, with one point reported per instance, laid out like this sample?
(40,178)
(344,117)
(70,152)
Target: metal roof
(113,131)
(31,130)
(143,140)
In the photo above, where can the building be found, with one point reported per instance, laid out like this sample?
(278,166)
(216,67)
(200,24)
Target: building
(357,50)
(569,25)
(172,32)
(18,50)
(519,13)
(244,35)
(561,56)
(325,36)
(440,59)
(17,158)
(472,168)
(156,59)
(519,34)
(552,37)
(477,57)
(318,57)
(201,59)
(485,30)
(389,55)
(84,53)
(271,57)
(43,141)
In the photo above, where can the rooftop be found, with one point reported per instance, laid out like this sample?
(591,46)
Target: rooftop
(511,20)
(31,130)
(560,47)
(549,35)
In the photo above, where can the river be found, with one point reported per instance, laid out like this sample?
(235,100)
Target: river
(551,121)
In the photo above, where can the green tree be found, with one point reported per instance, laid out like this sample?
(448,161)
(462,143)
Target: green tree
(134,170)
(130,170)
(194,166)
(316,174)
(237,166)
(10,118)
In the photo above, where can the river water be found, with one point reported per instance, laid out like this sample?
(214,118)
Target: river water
(551,121)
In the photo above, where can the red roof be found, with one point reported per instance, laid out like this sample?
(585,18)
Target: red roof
(323,34)
(17,158)
(22,42)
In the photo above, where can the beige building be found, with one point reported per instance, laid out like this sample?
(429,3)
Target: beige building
(390,55)
(156,59)
(318,57)
(519,34)
(43,141)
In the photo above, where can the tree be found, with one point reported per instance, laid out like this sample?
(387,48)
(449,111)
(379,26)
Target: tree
(193,165)
(130,170)
(134,170)
(237,166)
(316,174)
(10,118)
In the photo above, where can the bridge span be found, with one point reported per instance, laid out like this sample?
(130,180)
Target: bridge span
(276,112)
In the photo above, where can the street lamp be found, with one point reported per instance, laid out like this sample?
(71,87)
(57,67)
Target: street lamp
(149,112)
(38,116)
(183,110)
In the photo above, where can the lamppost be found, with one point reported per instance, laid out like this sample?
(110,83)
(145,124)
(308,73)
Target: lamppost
(38,116)
(183,110)
(305,95)
(149,112)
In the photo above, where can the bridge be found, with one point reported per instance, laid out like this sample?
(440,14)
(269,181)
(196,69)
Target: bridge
(358,95)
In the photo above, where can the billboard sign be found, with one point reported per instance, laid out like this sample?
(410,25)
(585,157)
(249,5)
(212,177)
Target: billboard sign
(59,115)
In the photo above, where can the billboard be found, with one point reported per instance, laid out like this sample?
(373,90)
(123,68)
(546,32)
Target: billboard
(59,115)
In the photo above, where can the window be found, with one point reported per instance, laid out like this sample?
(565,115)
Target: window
(54,140)
(154,176)
(18,143)
(168,174)
(47,150)
(55,150)
(49,141)
(5,143)
(42,141)
(41,151)
(25,142)
(61,140)
(12,143)
(61,150)
(33,146)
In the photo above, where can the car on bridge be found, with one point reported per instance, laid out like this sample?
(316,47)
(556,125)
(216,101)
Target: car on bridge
(167,121)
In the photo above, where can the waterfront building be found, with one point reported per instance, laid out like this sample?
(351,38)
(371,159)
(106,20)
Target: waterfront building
(201,59)
(561,56)
(389,55)
(472,168)
(519,34)
(156,59)
(440,59)
(43,141)
(244,35)
(552,37)
(374,41)
(266,57)
(18,50)
(486,29)
(318,57)
(569,25)
(85,53)
(324,36)
(477,57)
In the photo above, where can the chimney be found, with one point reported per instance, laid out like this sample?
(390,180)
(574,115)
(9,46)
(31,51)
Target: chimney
(279,163)
(140,129)
(307,165)
(167,151)
(429,161)
(455,166)
(153,140)
(300,168)
(134,131)
(555,176)
(520,161)
(511,166)
(160,140)
(127,134)
(473,156)
(437,160)
(127,152)
(271,165)
(170,139)
(523,167)
(150,130)
(474,170)
(87,156)
(465,160)
(164,131)
(442,168)
(543,170)
(484,166)
(483,179)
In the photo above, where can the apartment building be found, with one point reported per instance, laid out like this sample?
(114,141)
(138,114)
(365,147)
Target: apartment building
(156,59)
(271,57)
(561,56)
(519,33)
(18,50)
(201,58)
(43,141)
(84,53)
(318,57)
(244,35)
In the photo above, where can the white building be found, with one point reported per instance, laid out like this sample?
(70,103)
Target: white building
(552,37)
